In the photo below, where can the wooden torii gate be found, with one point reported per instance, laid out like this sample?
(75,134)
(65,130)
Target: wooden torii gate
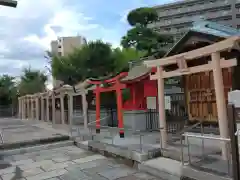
(216,64)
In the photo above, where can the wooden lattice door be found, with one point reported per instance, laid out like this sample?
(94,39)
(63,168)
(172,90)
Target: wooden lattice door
(201,95)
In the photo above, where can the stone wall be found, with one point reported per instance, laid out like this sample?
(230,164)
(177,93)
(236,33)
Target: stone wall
(135,120)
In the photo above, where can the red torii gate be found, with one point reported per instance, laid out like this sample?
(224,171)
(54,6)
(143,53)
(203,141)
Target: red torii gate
(117,86)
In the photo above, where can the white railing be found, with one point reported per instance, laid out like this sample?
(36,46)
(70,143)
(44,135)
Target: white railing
(203,137)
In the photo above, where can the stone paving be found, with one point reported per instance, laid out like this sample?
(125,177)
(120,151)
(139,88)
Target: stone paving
(15,130)
(68,163)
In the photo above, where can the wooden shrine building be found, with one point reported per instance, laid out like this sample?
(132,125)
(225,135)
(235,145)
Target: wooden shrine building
(199,87)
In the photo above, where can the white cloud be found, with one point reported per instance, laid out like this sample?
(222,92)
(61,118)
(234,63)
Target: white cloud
(27,30)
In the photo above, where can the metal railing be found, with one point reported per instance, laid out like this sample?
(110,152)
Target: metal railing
(179,134)
(186,136)
(1,136)
(114,131)
(94,122)
(141,133)
(78,128)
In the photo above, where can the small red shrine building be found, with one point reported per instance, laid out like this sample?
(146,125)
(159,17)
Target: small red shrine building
(131,112)
(140,87)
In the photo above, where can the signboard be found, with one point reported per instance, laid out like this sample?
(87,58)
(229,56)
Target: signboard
(167,102)
(172,81)
(237,133)
(151,103)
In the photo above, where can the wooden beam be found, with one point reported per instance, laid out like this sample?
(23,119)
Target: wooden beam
(182,64)
(197,53)
(196,69)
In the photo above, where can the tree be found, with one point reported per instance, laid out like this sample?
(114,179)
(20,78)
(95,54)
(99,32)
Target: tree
(95,59)
(32,81)
(141,36)
(142,16)
(8,92)
(123,56)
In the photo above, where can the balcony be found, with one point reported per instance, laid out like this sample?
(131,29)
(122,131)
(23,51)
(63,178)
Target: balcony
(194,8)
(189,19)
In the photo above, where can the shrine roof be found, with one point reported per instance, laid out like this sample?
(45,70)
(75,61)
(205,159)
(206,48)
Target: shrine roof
(107,79)
(207,30)
(136,72)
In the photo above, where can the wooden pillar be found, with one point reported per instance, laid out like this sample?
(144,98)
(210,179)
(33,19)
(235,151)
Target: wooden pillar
(62,108)
(220,100)
(19,108)
(23,108)
(53,109)
(42,108)
(161,109)
(32,108)
(47,108)
(84,109)
(70,109)
(37,107)
(119,109)
(26,101)
(97,91)
(28,108)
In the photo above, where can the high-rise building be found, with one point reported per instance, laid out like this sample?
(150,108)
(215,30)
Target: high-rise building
(176,18)
(65,45)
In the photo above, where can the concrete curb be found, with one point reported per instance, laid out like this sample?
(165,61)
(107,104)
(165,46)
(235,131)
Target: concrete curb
(201,175)
(114,150)
(9,146)
(37,148)
(163,168)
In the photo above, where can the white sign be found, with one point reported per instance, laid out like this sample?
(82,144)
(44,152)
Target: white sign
(167,102)
(237,133)
(151,103)
(234,97)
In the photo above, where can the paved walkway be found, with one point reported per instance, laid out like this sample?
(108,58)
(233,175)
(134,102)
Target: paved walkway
(15,130)
(62,163)
(68,163)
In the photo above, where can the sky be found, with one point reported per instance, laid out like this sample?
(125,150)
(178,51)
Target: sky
(26,31)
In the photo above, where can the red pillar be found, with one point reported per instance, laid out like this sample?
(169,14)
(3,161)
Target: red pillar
(119,109)
(97,92)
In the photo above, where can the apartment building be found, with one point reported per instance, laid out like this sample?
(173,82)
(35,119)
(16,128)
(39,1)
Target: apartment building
(65,45)
(176,18)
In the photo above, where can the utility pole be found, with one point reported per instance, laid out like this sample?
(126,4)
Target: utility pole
(9,3)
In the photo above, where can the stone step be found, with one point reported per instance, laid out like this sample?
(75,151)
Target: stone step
(37,148)
(30,143)
(194,173)
(163,168)
(171,169)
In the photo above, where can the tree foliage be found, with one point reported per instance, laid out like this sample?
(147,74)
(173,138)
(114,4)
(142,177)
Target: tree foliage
(32,81)
(8,91)
(123,56)
(142,16)
(141,36)
(95,59)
